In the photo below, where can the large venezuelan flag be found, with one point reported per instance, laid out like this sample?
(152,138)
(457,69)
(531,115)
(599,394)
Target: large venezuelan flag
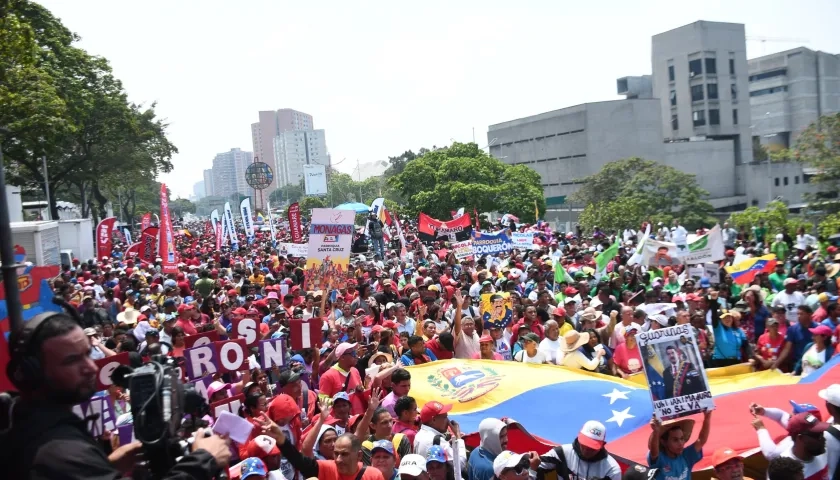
(744,272)
(552,403)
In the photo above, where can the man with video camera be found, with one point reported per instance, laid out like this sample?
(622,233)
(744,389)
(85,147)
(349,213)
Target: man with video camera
(51,367)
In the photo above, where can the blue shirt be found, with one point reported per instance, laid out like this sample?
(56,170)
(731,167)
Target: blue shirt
(409,359)
(480,465)
(800,338)
(728,342)
(676,468)
(760,320)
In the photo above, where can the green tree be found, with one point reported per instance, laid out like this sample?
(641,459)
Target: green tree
(180,206)
(830,225)
(308,203)
(776,218)
(462,175)
(645,190)
(818,149)
(290,193)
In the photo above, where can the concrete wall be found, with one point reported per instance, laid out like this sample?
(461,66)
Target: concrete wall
(710,161)
(792,193)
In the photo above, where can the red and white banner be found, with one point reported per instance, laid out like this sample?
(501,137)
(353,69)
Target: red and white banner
(148,245)
(430,229)
(104,237)
(134,249)
(305,333)
(219,236)
(146,221)
(294,223)
(166,246)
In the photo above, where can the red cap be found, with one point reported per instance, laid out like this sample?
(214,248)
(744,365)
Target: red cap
(433,409)
(486,338)
(805,423)
(723,455)
(559,312)
(184,307)
(262,446)
(239,311)
(570,291)
(376,328)
(232,293)
(390,324)
(693,297)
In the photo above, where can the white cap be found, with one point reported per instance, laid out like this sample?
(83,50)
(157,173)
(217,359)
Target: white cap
(413,465)
(506,459)
(831,394)
(660,319)
(593,435)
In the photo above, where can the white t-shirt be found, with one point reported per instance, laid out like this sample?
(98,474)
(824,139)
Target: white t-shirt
(816,469)
(791,302)
(551,349)
(522,356)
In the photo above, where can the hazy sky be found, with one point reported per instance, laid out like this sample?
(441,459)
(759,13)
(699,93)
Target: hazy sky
(386,76)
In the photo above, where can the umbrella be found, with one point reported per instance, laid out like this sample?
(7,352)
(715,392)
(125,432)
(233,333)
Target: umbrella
(355,206)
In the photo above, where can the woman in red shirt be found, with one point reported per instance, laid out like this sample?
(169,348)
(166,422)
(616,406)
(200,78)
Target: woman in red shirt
(627,358)
(769,345)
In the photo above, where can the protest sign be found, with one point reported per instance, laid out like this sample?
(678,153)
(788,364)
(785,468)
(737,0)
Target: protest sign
(430,229)
(201,385)
(216,357)
(328,250)
(485,243)
(246,329)
(305,333)
(523,240)
(701,249)
(203,338)
(126,433)
(712,272)
(463,250)
(272,353)
(674,371)
(496,309)
(106,367)
(230,405)
(292,249)
(696,273)
(233,355)
(100,413)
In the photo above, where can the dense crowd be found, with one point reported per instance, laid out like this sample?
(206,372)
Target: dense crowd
(345,410)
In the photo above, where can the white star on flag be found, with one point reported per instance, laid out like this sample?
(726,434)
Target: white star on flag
(620,417)
(616,395)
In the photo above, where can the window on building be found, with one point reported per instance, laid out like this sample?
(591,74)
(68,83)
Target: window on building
(732,66)
(712,91)
(696,93)
(695,67)
(733,90)
(675,124)
(670,73)
(796,180)
(777,181)
(786,181)
(770,74)
(768,91)
(714,116)
(699,117)
(711,65)
(734,116)
(673,98)
(806,178)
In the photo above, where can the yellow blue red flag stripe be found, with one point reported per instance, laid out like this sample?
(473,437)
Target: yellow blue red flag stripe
(746,271)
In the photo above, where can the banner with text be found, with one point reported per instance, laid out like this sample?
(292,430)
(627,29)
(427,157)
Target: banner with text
(148,244)
(166,245)
(523,240)
(457,230)
(294,223)
(463,250)
(700,249)
(104,238)
(298,250)
(485,243)
(328,253)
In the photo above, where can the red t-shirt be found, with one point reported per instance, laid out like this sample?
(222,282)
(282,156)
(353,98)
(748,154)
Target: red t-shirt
(187,325)
(328,471)
(440,352)
(628,359)
(769,349)
(332,382)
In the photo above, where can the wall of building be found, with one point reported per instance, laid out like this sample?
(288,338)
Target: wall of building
(710,161)
(787,181)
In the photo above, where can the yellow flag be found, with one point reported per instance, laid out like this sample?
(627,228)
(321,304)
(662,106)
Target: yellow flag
(536,212)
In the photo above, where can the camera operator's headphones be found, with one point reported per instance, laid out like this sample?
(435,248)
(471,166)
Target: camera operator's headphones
(24,367)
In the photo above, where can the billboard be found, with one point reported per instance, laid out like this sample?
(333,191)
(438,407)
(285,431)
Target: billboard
(315,180)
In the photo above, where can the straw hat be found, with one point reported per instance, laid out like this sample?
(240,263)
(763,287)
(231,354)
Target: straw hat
(574,340)
(686,424)
(128,316)
(762,294)
(832,270)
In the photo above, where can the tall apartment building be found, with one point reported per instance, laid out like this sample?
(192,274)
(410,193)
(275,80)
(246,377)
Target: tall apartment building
(271,124)
(208,182)
(199,190)
(229,172)
(296,148)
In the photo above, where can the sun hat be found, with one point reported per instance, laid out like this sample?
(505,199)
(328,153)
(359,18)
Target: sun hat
(574,340)
(685,424)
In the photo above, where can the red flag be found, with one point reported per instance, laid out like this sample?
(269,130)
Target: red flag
(148,244)
(218,235)
(104,240)
(294,223)
(134,249)
(146,222)
(166,247)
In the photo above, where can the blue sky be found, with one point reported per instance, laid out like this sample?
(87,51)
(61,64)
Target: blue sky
(383,76)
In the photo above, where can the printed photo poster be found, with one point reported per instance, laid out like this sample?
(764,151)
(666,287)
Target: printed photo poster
(463,250)
(496,309)
(701,249)
(674,371)
(328,253)
(298,250)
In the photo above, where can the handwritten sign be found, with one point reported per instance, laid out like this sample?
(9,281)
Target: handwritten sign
(106,367)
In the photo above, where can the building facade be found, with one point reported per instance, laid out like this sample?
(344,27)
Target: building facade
(296,148)
(199,191)
(208,182)
(229,172)
(271,124)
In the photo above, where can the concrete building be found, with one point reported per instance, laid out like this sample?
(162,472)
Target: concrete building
(229,172)
(271,124)
(295,148)
(208,182)
(199,190)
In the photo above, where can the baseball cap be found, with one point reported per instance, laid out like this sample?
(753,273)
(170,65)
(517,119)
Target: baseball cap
(831,394)
(286,377)
(532,337)
(432,409)
(184,307)
(805,423)
(821,330)
(772,321)
(805,408)
(593,435)
(385,445)
(413,465)
(789,281)
(344,348)
(90,332)
(435,454)
(216,386)
(262,446)
(341,396)
(505,460)
(723,455)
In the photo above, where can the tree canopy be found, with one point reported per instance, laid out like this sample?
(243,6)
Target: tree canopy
(462,175)
(776,218)
(818,149)
(627,192)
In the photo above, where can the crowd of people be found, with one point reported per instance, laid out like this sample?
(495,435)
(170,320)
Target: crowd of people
(344,410)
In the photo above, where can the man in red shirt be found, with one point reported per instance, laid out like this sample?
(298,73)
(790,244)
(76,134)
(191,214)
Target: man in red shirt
(769,344)
(185,319)
(343,377)
(443,346)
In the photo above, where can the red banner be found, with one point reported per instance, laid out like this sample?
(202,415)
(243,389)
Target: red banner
(294,223)
(218,235)
(148,244)
(431,228)
(104,237)
(166,247)
(146,221)
(133,250)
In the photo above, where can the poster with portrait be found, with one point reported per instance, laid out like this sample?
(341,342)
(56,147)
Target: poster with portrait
(674,371)
(496,309)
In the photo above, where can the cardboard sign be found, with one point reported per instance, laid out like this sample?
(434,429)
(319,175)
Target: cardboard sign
(230,404)
(305,333)
(674,371)
(204,338)
(246,329)
(218,357)
(106,367)
(272,353)
(232,355)
(101,411)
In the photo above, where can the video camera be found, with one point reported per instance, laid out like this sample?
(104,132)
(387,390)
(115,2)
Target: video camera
(159,403)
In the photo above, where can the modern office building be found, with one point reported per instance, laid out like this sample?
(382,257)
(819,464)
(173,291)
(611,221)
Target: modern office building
(694,113)
(199,190)
(271,124)
(295,148)
(208,182)
(229,172)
